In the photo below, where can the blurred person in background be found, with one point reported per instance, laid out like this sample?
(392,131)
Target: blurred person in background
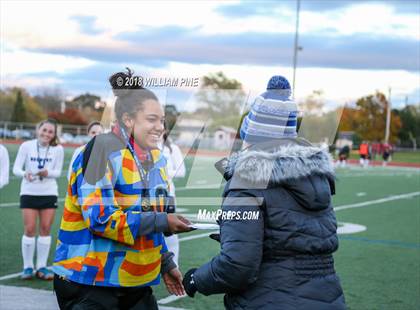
(282,258)
(386,150)
(364,154)
(39,162)
(175,169)
(4,166)
(343,155)
(93,129)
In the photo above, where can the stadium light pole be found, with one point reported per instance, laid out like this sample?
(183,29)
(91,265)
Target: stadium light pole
(296,48)
(388,116)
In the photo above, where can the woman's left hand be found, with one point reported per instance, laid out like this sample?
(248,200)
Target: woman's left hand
(43,173)
(173,282)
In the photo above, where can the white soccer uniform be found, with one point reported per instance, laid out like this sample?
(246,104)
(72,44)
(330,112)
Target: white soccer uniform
(31,156)
(4,166)
(175,169)
(175,165)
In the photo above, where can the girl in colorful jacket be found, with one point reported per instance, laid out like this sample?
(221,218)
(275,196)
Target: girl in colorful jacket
(110,247)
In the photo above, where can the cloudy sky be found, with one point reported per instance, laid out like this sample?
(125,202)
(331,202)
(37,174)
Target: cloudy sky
(350,48)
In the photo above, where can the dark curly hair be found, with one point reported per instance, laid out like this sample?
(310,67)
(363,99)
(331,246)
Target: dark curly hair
(129,98)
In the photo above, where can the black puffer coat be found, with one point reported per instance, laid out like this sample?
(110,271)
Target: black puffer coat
(283,259)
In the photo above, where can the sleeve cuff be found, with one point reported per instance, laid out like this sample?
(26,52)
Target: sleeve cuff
(167,262)
(161,222)
(153,222)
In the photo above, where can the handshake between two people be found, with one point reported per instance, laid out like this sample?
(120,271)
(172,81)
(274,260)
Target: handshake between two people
(175,283)
(173,278)
(179,286)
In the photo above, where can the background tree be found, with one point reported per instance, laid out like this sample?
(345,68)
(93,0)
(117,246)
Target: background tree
(19,113)
(18,106)
(348,120)
(90,106)
(315,123)
(7,103)
(221,98)
(70,116)
(410,130)
(371,118)
(50,99)
(313,104)
(34,112)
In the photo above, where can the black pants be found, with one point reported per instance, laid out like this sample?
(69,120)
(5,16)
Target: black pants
(75,296)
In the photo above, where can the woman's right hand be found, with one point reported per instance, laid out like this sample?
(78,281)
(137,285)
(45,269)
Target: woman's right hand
(178,223)
(28,176)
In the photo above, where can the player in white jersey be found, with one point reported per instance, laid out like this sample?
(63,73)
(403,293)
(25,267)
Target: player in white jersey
(39,162)
(4,166)
(93,129)
(175,169)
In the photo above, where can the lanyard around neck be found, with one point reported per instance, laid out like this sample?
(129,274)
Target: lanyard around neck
(143,174)
(41,162)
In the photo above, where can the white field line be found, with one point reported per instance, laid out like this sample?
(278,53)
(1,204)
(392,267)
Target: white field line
(10,276)
(207,186)
(169,299)
(197,236)
(15,275)
(170,308)
(373,202)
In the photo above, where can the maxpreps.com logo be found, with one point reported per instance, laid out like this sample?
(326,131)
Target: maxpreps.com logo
(205,215)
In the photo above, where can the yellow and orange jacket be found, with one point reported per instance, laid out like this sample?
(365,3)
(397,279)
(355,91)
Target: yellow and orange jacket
(105,237)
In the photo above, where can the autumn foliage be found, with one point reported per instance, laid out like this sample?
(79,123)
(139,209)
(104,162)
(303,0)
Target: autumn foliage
(70,116)
(368,119)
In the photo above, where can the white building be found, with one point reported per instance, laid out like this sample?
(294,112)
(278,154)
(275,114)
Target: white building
(186,131)
(224,137)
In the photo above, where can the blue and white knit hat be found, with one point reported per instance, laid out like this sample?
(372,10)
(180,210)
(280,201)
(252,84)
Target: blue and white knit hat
(273,114)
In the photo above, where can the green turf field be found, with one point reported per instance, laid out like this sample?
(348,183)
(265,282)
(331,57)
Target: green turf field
(379,267)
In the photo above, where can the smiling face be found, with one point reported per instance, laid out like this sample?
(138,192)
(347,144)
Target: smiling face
(147,125)
(95,130)
(46,133)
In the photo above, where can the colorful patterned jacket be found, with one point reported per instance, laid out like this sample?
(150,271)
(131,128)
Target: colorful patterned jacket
(105,237)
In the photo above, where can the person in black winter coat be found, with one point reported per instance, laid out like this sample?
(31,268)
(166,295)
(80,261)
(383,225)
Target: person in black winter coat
(281,259)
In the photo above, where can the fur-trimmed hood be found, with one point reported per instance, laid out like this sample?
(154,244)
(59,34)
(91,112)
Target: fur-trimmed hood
(286,160)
